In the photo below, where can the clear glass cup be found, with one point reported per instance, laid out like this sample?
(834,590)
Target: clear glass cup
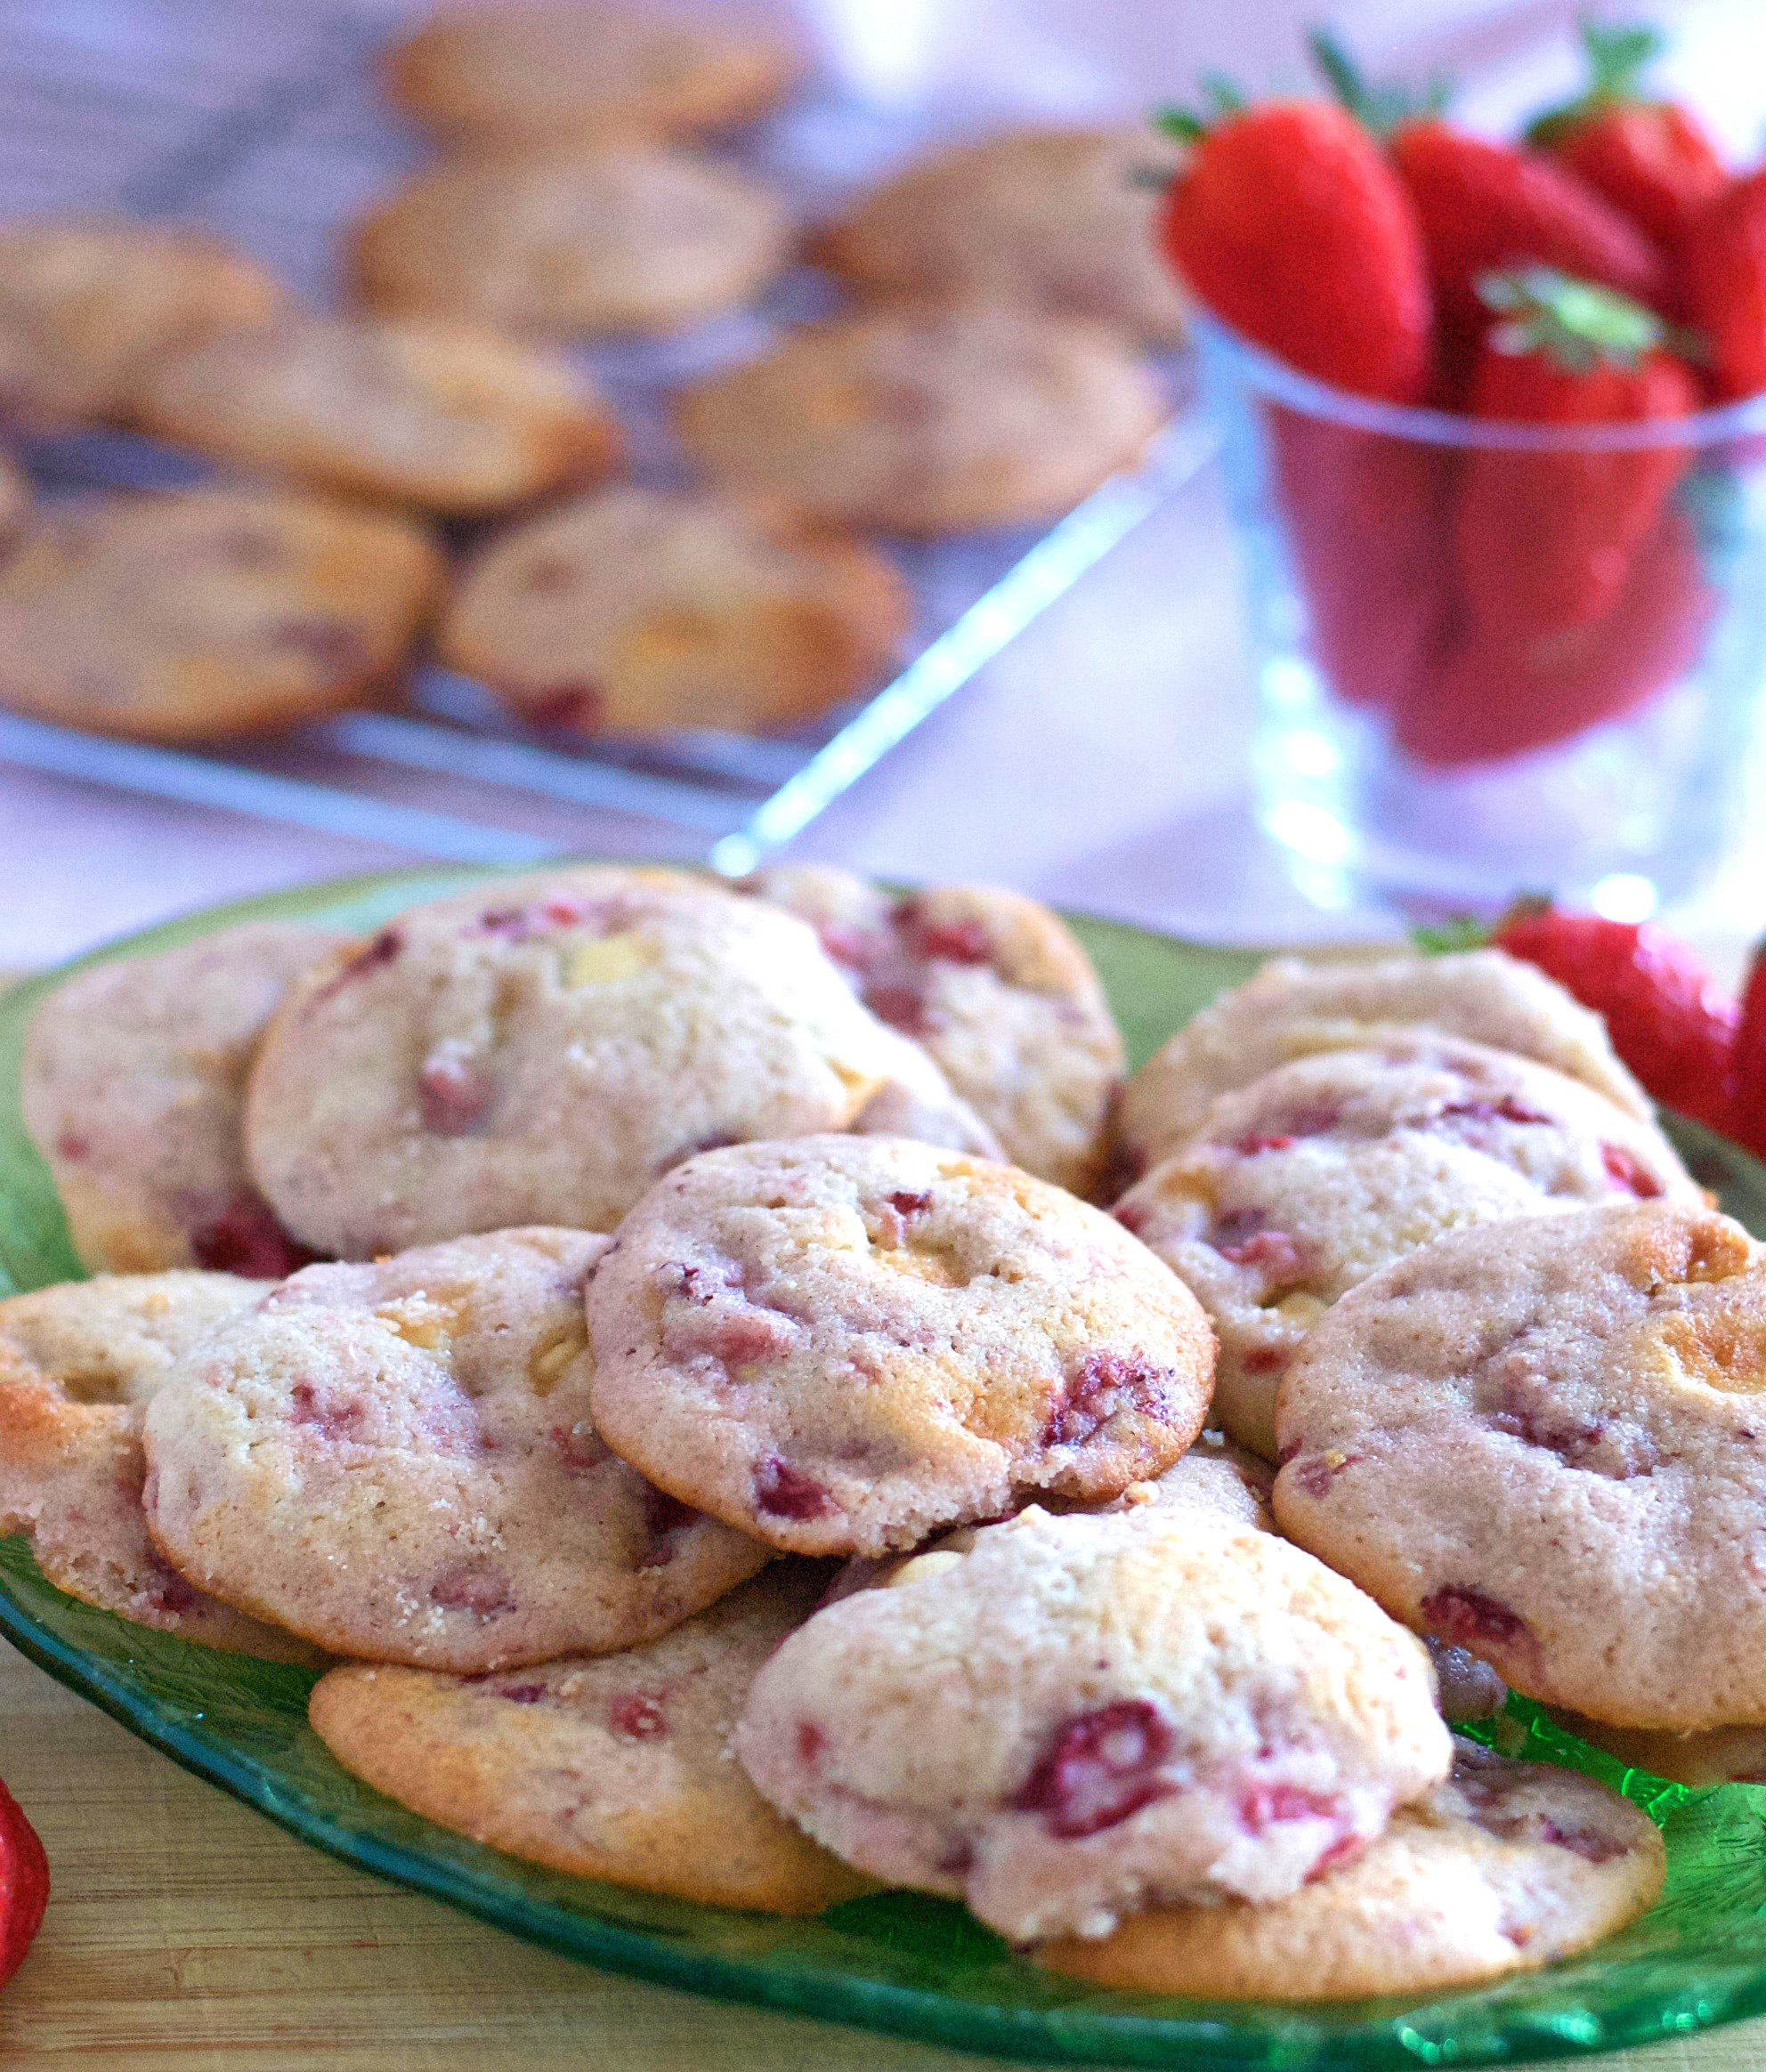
(1458,703)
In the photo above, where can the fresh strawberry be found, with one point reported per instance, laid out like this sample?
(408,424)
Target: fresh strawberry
(24,1884)
(1287,222)
(1485,698)
(1485,207)
(1365,517)
(1669,1019)
(1654,160)
(1747,1121)
(1723,286)
(1544,542)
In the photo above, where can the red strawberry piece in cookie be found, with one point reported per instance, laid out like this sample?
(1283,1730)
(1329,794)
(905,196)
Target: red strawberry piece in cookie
(780,1344)
(1074,1717)
(1502,1867)
(423,1481)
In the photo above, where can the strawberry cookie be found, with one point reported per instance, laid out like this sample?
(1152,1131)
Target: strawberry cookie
(927,421)
(842,1344)
(89,302)
(995,989)
(184,616)
(616,1767)
(399,1461)
(133,1086)
(544,1048)
(644,609)
(1544,1441)
(631,241)
(530,76)
(78,1365)
(1504,1867)
(1325,1171)
(1290,1010)
(445,415)
(1083,1716)
(1050,219)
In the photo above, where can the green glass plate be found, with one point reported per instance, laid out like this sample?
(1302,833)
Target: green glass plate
(898,1963)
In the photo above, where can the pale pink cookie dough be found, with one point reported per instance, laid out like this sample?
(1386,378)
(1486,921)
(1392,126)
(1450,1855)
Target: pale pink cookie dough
(616,1767)
(133,1092)
(1291,1010)
(996,989)
(843,1344)
(1544,1441)
(542,1050)
(1299,1186)
(399,1461)
(78,1365)
(1083,1716)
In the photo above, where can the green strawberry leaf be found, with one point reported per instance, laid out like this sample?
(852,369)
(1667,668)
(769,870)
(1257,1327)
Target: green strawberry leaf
(1579,324)
(1617,59)
(1378,109)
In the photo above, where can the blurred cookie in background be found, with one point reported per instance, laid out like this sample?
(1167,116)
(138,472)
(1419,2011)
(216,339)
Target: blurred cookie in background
(629,241)
(1058,220)
(88,302)
(418,410)
(927,421)
(211,612)
(644,609)
(514,77)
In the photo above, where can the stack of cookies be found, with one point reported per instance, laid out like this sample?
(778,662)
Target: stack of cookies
(667,1339)
(986,372)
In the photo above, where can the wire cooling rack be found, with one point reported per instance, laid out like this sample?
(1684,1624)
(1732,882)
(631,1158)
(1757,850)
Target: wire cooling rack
(259,119)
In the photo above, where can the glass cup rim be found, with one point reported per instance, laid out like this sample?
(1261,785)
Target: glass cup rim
(1263,371)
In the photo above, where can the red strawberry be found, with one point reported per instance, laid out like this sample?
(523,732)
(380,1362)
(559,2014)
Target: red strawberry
(1724,281)
(1365,517)
(1544,542)
(1488,697)
(1287,222)
(1669,1019)
(24,1884)
(1654,160)
(1485,207)
(1747,1121)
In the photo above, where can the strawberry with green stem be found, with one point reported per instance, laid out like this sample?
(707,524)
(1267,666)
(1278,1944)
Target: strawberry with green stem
(1485,206)
(1544,542)
(1654,160)
(1286,223)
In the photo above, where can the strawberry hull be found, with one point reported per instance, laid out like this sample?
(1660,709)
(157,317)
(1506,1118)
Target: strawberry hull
(1366,519)
(1494,695)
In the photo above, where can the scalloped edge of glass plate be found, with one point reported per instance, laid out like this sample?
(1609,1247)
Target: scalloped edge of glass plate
(1081,2025)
